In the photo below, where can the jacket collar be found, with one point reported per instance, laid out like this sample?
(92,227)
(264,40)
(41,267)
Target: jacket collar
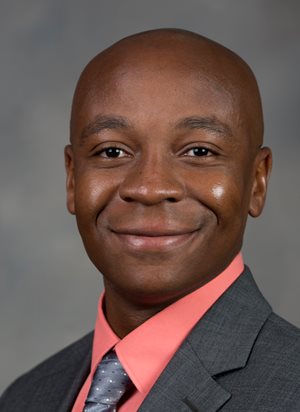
(221,341)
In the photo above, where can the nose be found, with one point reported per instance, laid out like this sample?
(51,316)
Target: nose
(152,181)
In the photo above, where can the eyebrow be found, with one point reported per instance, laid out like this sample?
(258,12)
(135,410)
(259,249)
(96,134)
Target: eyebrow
(101,123)
(106,122)
(208,123)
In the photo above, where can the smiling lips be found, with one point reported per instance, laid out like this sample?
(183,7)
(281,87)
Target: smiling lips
(156,240)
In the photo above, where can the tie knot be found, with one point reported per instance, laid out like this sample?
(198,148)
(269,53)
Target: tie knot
(110,382)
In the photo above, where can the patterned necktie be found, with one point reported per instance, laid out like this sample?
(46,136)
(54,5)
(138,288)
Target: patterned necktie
(110,382)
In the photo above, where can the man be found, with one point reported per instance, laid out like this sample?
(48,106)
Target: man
(164,166)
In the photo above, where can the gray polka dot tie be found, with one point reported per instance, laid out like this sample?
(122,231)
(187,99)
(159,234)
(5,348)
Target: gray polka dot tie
(110,382)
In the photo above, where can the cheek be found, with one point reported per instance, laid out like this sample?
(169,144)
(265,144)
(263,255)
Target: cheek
(225,198)
(226,194)
(221,193)
(218,192)
(92,192)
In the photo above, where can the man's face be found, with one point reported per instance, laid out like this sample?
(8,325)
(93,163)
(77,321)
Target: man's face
(161,177)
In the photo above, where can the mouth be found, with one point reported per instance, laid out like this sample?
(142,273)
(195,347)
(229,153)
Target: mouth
(153,241)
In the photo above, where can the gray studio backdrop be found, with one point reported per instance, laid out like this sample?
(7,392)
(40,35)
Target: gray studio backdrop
(49,289)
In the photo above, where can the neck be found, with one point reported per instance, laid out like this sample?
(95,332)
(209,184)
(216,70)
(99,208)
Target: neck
(123,315)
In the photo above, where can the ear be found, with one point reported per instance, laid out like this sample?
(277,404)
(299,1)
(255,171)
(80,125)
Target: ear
(70,183)
(263,166)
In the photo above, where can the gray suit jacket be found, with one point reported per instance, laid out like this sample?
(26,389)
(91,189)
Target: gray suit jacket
(239,357)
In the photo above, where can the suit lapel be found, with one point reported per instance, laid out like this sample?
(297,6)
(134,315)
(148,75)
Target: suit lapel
(220,342)
(185,385)
(74,384)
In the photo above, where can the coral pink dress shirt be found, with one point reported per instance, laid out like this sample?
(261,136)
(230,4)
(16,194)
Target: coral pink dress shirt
(146,351)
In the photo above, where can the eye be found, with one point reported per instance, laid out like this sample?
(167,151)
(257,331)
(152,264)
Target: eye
(112,153)
(198,152)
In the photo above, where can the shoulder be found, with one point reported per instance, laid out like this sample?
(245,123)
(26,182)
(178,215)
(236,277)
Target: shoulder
(24,387)
(278,345)
(270,379)
(60,360)
(281,329)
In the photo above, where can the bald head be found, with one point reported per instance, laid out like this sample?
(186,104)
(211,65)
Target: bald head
(178,50)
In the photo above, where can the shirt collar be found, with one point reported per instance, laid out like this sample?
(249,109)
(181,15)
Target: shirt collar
(145,352)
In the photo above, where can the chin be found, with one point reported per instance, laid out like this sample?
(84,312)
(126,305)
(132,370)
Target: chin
(151,287)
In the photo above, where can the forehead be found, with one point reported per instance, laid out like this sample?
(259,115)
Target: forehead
(150,86)
(157,86)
